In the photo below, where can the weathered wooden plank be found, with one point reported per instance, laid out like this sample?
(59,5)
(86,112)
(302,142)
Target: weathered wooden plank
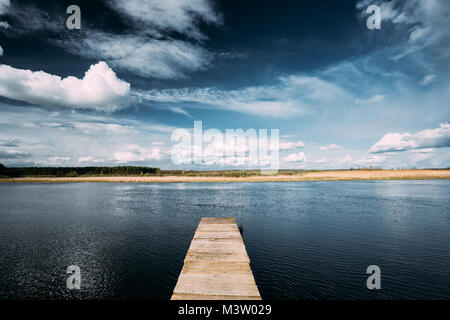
(218,227)
(216,265)
(206,220)
(178,296)
(216,257)
(216,235)
(219,284)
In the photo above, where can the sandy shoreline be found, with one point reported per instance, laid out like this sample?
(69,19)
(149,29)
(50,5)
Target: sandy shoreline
(337,175)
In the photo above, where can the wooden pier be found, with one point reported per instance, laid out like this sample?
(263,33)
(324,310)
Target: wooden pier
(216,266)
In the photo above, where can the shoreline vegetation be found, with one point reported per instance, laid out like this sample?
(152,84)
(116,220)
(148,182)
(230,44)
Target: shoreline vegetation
(156,175)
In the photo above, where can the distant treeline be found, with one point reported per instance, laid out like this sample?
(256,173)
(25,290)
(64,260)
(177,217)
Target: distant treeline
(77,171)
(138,171)
(16,172)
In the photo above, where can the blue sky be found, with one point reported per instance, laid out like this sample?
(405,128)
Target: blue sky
(113,92)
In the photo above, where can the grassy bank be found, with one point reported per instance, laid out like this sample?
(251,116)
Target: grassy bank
(236,176)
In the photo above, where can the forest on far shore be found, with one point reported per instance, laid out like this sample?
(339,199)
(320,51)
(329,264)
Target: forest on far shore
(77,171)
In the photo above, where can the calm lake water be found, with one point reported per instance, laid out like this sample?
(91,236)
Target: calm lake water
(306,240)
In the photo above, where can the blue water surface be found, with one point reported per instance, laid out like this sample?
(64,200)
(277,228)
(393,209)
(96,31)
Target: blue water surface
(306,240)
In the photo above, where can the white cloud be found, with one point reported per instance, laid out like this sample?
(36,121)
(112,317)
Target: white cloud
(98,127)
(290,96)
(275,109)
(180,111)
(59,159)
(289,145)
(164,40)
(29,18)
(89,160)
(62,136)
(431,138)
(51,124)
(103,137)
(422,20)
(428,79)
(175,15)
(162,59)
(374,99)
(153,47)
(418,33)
(85,159)
(160,128)
(330,147)
(425,150)
(371,160)
(4,5)
(295,157)
(135,153)
(99,89)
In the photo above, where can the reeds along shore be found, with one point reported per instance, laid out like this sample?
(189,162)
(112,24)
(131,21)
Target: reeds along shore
(332,175)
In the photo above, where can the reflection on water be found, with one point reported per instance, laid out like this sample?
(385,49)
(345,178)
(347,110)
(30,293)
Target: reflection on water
(306,240)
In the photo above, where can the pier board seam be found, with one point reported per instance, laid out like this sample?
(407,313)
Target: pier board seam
(216,266)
